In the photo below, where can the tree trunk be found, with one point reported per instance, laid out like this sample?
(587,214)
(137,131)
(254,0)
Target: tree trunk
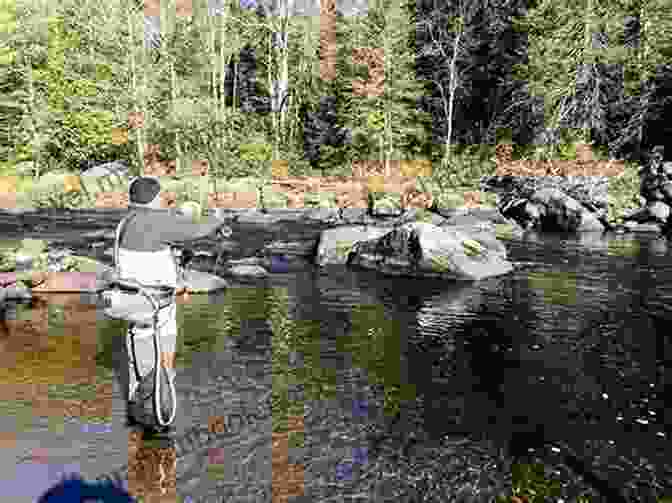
(222,74)
(287,8)
(451,99)
(30,112)
(134,84)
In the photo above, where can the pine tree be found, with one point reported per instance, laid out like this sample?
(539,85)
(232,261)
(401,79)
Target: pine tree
(389,26)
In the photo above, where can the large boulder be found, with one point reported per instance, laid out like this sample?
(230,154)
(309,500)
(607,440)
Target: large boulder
(564,213)
(555,203)
(417,249)
(335,244)
(590,191)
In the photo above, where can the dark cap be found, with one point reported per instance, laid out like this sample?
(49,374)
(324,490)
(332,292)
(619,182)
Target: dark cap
(143,190)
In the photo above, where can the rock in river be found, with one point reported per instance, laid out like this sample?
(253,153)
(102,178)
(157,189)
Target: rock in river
(417,249)
(568,204)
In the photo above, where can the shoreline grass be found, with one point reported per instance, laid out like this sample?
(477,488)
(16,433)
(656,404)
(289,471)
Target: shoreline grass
(49,191)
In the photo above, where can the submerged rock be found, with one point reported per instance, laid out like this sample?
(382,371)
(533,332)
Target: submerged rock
(248,270)
(643,227)
(13,293)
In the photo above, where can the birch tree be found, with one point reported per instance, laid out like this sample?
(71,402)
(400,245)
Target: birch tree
(446,56)
(278,75)
(138,100)
(392,94)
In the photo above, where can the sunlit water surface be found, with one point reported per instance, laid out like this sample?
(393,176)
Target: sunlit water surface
(573,344)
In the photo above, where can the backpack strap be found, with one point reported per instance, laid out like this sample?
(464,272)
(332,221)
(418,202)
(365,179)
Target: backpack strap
(117,240)
(166,293)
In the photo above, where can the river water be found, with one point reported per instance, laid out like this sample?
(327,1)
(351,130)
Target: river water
(410,389)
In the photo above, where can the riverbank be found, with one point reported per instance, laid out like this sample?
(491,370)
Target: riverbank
(402,184)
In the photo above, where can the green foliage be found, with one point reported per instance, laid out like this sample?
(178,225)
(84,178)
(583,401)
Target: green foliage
(76,130)
(255,157)
(656,19)
(449,180)
(8,24)
(393,116)
(623,193)
(42,198)
(335,160)
(375,120)
(48,192)
(84,88)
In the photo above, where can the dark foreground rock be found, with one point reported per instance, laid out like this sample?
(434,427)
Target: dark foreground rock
(418,249)
(552,203)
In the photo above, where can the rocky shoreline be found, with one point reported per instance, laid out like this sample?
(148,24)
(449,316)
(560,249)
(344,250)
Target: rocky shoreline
(565,204)
(51,225)
(450,244)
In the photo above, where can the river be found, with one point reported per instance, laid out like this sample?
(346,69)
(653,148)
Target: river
(571,347)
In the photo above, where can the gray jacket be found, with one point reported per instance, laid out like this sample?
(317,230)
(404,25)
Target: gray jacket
(144,252)
(152,230)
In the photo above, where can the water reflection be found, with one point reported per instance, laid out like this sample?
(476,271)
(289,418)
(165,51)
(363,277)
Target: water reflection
(571,348)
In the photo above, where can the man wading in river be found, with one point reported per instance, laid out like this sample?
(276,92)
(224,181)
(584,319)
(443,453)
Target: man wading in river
(145,256)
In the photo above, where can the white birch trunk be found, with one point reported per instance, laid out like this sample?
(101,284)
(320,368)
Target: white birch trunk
(222,71)
(451,99)
(134,84)
(30,112)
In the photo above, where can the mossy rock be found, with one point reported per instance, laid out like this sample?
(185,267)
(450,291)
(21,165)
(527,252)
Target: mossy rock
(505,231)
(472,248)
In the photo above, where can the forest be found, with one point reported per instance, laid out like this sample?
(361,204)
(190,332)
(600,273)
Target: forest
(241,84)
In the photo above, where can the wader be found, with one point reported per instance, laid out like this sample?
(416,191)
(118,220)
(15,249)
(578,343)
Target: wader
(152,331)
